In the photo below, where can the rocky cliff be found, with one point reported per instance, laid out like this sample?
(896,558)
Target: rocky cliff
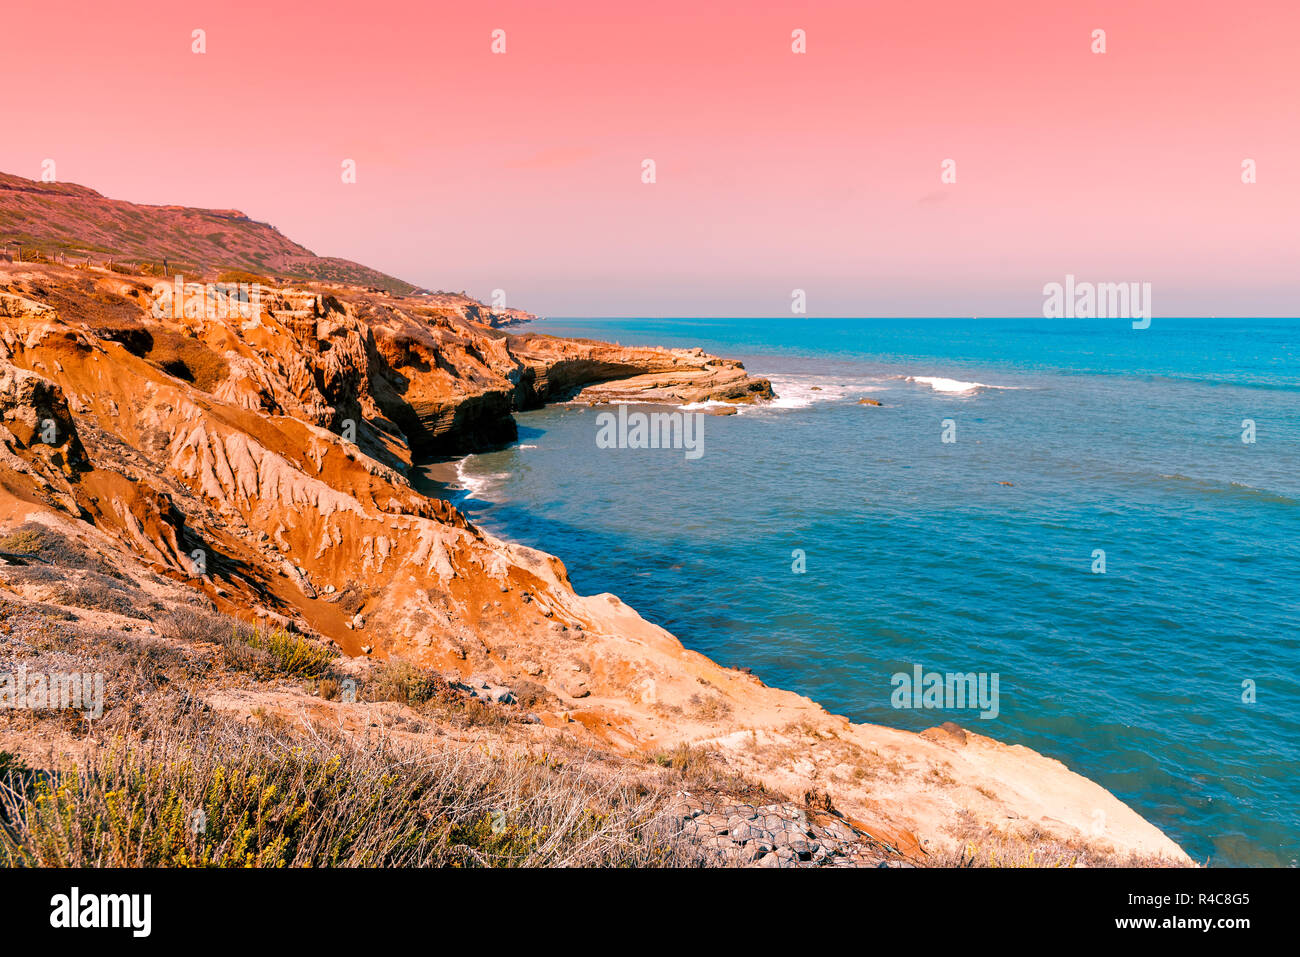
(262,459)
(251,452)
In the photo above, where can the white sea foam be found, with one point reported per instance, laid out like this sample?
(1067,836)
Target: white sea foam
(478,486)
(953,386)
(801,391)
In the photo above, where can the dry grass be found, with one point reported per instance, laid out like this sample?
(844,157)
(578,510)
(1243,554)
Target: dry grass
(700,770)
(241,275)
(33,542)
(188,359)
(432,694)
(265,797)
(261,651)
(984,846)
(712,708)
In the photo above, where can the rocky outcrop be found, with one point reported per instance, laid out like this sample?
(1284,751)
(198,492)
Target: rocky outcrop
(36,420)
(41,455)
(263,460)
(600,373)
(781,835)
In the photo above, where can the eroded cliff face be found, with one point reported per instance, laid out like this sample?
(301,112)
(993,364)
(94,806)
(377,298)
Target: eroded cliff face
(263,460)
(275,441)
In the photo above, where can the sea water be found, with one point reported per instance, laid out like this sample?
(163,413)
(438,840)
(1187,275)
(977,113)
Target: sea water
(1107,519)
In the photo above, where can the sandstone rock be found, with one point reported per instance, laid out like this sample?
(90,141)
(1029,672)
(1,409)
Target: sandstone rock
(253,453)
(946,733)
(497,694)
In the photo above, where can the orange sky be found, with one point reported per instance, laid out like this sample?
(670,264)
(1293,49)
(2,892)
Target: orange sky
(775,171)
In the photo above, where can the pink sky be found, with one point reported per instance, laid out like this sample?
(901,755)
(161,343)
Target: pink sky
(775,171)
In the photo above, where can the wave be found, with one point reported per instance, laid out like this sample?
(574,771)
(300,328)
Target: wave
(801,391)
(1231,489)
(953,386)
(709,404)
(478,486)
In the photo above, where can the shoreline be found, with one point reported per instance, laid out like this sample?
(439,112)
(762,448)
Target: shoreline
(303,518)
(447,472)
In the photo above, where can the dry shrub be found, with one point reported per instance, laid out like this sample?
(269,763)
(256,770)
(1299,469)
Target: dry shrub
(194,625)
(271,798)
(986,846)
(700,770)
(33,541)
(188,359)
(426,689)
(403,682)
(712,708)
(99,593)
(241,275)
(351,597)
(261,651)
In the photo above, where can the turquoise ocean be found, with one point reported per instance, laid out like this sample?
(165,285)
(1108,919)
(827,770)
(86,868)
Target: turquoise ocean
(1172,678)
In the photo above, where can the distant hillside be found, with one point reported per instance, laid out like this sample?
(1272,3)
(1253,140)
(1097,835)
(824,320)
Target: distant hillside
(63,218)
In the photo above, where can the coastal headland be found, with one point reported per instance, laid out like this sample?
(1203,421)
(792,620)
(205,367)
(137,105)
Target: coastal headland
(259,464)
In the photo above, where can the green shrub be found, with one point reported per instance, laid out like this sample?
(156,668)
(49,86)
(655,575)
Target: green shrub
(24,541)
(261,651)
(288,654)
(403,682)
